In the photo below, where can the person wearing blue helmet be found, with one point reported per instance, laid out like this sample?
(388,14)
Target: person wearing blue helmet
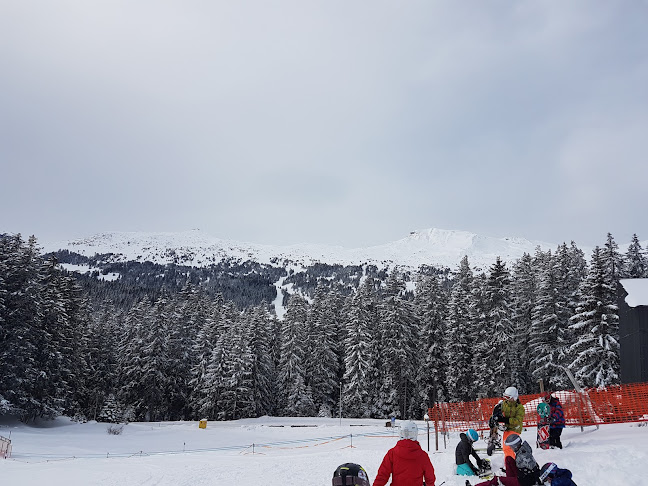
(463,452)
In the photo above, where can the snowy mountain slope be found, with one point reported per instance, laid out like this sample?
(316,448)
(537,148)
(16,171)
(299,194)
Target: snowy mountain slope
(437,247)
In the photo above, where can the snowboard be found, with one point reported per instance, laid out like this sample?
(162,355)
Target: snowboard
(494,440)
(485,472)
(542,440)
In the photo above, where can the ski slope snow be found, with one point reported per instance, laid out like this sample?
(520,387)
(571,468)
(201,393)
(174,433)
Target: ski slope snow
(272,451)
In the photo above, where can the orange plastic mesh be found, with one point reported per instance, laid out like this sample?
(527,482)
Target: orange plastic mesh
(593,406)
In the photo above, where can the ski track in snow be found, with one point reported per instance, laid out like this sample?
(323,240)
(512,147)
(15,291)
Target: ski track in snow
(612,455)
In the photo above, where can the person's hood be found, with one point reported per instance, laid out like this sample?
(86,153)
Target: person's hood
(405,447)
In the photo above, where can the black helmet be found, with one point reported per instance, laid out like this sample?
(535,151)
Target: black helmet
(514,441)
(349,474)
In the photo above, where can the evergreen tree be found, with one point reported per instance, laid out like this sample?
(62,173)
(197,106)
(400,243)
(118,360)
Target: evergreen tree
(483,341)
(547,332)
(201,395)
(524,295)
(26,346)
(101,358)
(324,361)
(612,260)
(237,396)
(459,338)
(596,351)
(206,403)
(359,345)
(636,264)
(297,396)
(499,322)
(259,325)
(397,334)
(430,303)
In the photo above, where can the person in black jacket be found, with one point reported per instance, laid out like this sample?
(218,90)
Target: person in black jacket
(463,452)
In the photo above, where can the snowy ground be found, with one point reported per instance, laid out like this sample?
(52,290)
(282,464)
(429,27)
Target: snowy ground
(61,452)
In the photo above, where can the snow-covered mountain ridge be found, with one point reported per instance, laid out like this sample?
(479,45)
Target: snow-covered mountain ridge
(436,247)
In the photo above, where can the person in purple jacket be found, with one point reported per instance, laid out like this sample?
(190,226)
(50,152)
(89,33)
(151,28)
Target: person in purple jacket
(556,420)
(555,476)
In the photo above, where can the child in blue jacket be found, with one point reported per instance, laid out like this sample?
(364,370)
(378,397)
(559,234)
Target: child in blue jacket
(555,476)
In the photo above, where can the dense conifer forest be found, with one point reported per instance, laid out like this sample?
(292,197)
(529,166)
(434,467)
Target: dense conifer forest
(174,342)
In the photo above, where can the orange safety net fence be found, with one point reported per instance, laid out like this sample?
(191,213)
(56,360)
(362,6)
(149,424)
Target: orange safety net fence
(593,406)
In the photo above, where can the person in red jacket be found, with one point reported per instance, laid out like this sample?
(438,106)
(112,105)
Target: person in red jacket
(406,463)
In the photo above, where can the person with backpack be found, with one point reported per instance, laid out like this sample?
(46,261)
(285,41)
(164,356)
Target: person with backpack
(556,420)
(350,474)
(512,415)
(406,462)
(555,476)
(528,471)
(463,452)
(521,470)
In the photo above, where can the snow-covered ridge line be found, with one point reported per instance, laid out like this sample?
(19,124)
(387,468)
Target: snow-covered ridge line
(437,247)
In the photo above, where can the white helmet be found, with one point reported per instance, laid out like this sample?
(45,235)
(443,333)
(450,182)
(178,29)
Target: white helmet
(409,430)
(511,392)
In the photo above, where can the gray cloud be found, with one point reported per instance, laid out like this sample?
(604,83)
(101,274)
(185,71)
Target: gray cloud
(346,123)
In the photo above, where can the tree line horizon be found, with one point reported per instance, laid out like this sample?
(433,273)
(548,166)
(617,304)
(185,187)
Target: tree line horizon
(109,351)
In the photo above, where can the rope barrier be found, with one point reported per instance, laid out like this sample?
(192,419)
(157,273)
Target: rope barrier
(283,445)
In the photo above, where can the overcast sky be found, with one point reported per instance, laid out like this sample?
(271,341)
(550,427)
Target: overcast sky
(338,122)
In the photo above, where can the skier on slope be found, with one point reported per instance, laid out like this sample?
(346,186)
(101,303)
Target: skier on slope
(463,452)
(406,463)
(556,420)
(512,414)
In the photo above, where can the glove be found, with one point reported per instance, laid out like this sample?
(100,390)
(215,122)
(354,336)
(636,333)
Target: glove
(503,419)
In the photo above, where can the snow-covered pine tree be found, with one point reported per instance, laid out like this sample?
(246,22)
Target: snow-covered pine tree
(596,327)
(206,404)
(130,355)
(296,395)
(612,260)
(569,268)
(548,340)
(359,345)
(216,381)
(636,263)
(25,343)
(431,301)
(524,295)
(259,325)
(154,373)
(498,321)
(397,340)
(459,337)
(485,343)
(207,339)
(65,318)
(190,310)
(323,360)
(237,397)
(101,357)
